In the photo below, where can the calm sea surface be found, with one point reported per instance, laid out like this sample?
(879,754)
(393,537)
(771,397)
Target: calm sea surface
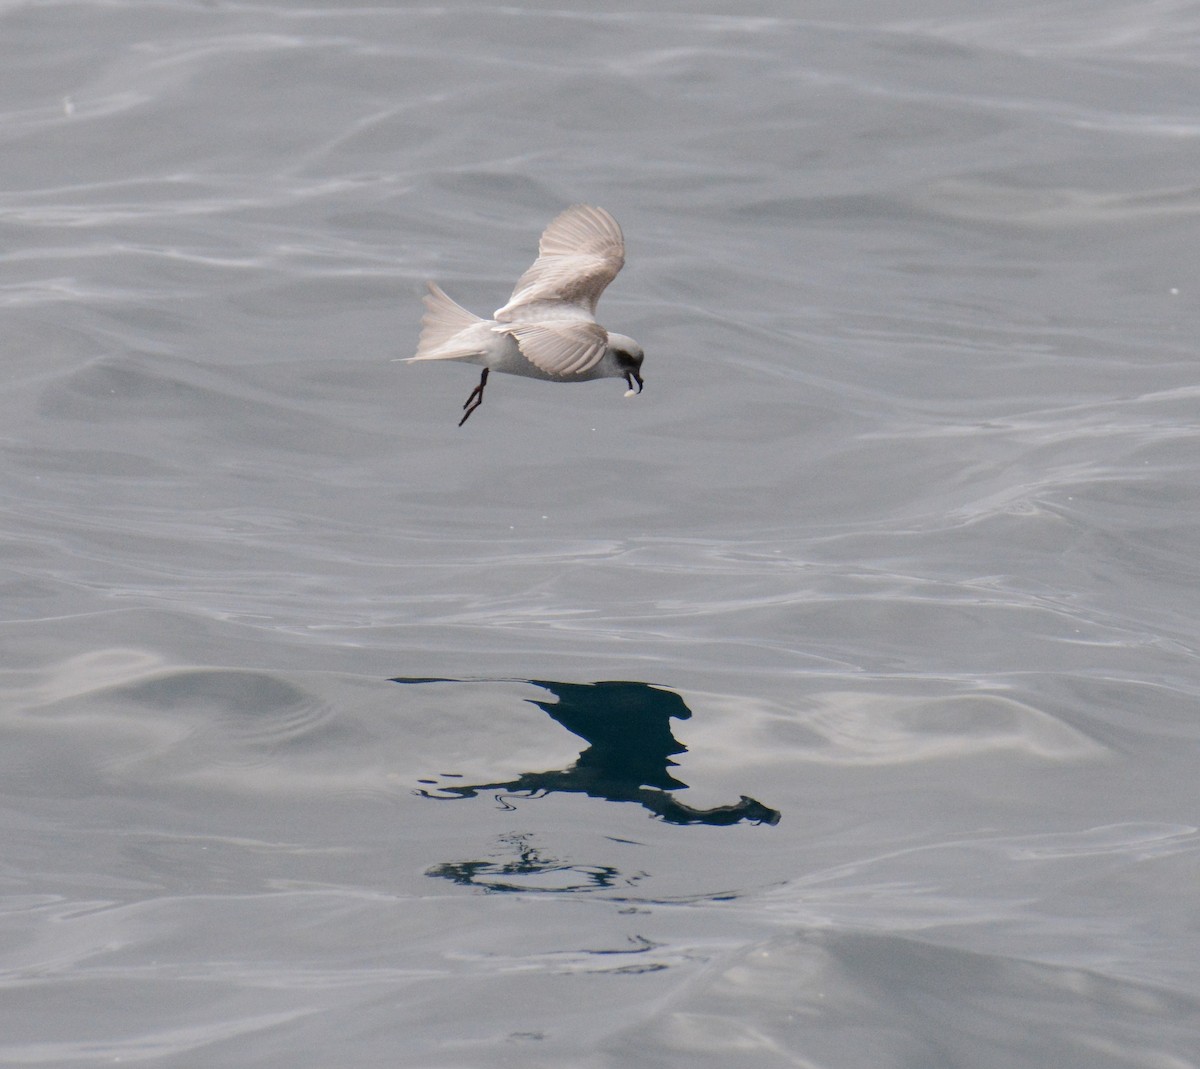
(835,703)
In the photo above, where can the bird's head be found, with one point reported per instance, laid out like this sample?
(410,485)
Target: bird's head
(627,356)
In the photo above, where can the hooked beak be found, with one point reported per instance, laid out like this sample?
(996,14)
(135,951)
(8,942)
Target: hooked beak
(631,377)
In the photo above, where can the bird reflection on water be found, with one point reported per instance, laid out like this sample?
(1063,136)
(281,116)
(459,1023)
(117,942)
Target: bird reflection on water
(628,759)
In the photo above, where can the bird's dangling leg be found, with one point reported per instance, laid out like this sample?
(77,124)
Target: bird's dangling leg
(476,398)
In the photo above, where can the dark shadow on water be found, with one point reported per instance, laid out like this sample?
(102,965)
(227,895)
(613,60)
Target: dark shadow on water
(628,759)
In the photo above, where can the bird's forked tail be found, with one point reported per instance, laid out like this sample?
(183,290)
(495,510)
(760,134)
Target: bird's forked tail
(443,321)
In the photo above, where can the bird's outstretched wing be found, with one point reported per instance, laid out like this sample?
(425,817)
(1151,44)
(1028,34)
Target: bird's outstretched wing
(569,347)
(580,253)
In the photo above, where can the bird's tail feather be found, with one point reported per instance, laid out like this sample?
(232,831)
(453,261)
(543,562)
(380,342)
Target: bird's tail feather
(443,320)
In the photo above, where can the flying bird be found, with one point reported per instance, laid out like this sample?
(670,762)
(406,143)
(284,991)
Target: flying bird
(548,328)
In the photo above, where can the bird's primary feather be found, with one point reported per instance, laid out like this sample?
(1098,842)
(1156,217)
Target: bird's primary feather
(579,254)
(567,348)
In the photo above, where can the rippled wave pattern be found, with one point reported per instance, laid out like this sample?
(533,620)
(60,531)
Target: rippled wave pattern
(830,703)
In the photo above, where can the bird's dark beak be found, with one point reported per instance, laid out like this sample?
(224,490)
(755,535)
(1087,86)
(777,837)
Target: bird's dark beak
(631,377)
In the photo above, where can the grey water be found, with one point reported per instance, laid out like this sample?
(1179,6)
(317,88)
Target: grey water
(833,703)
